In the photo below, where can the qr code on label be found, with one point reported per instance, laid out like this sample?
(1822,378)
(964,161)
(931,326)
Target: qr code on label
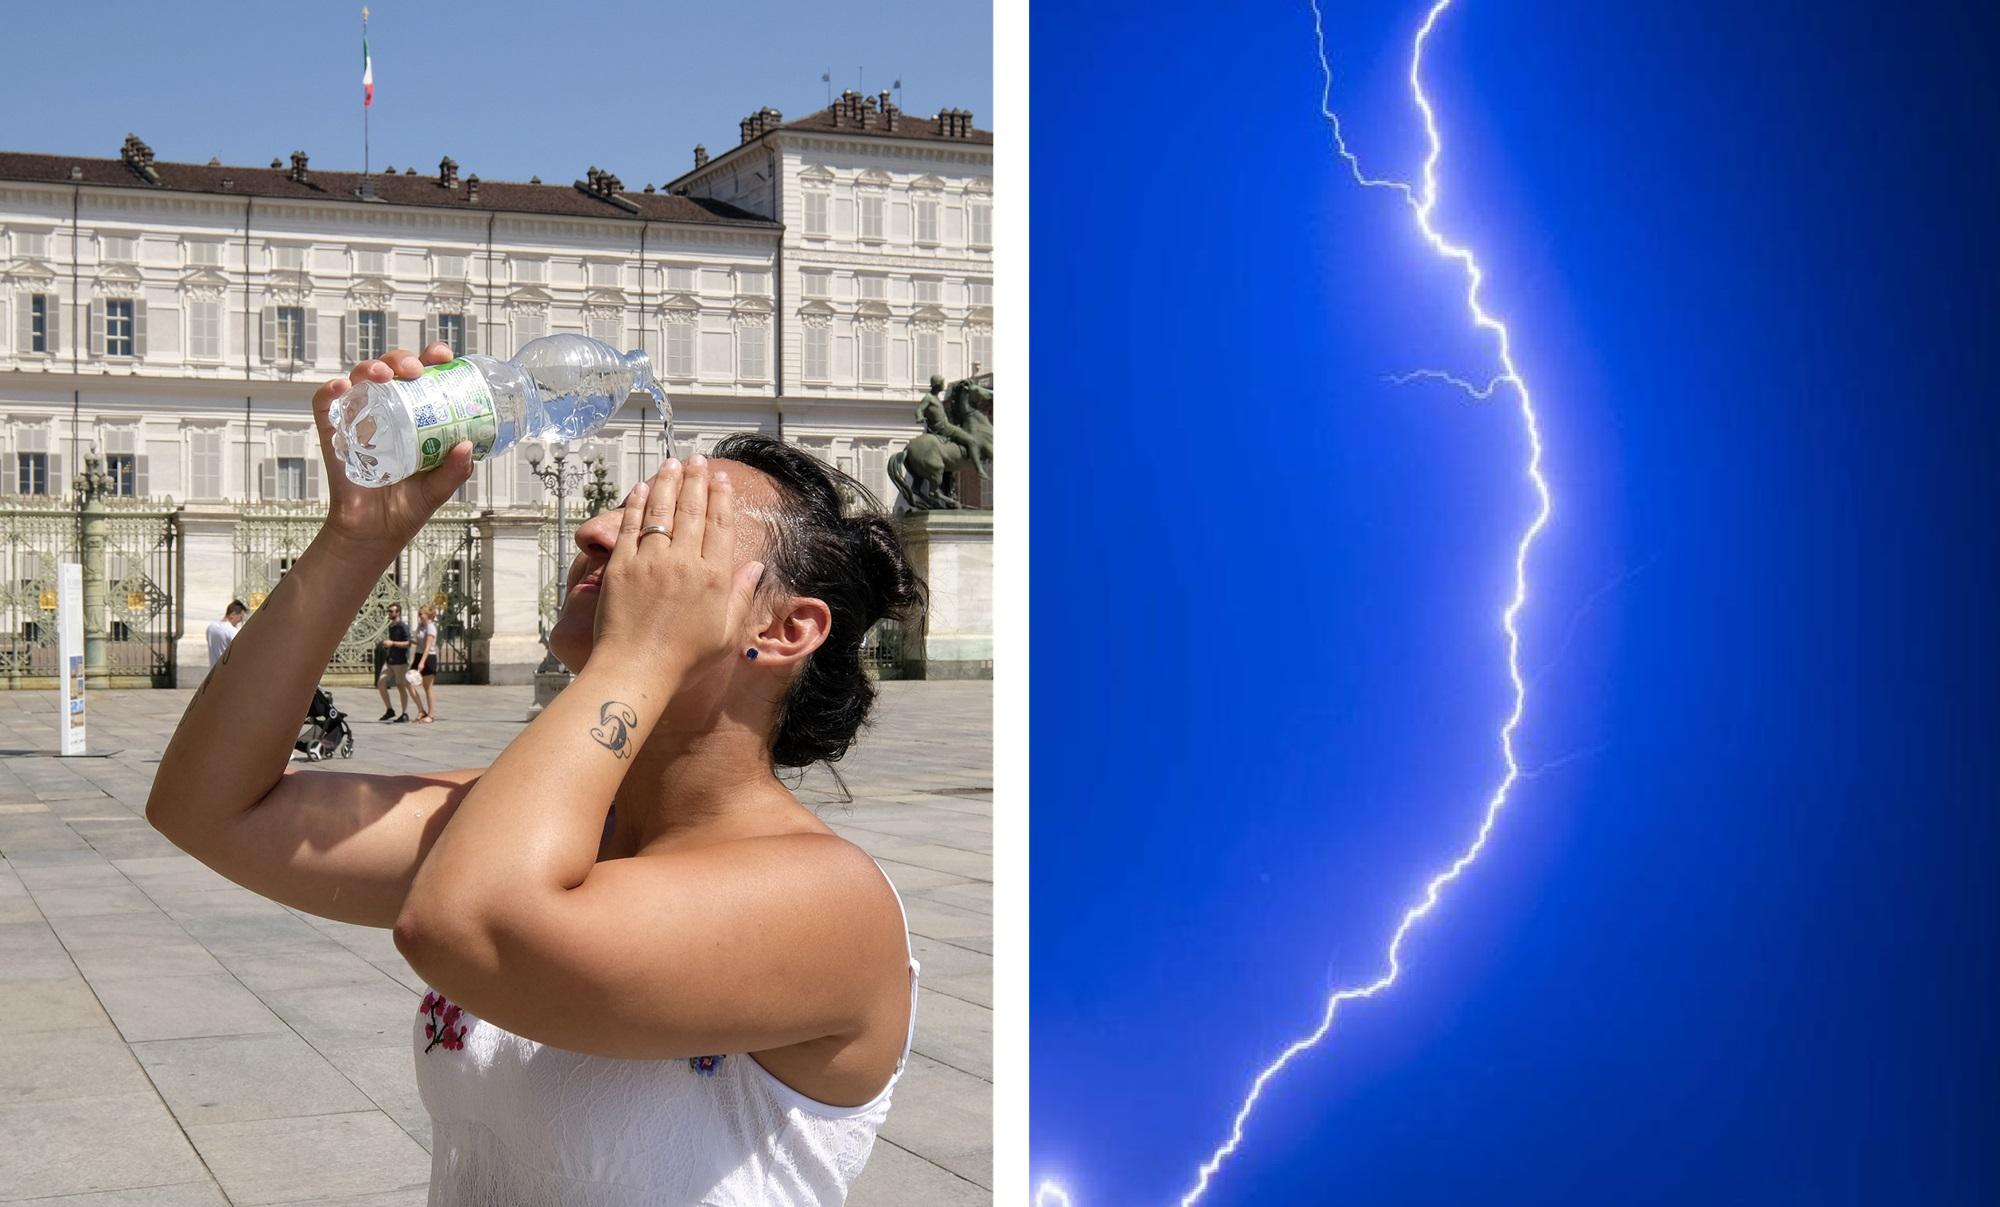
(430,414)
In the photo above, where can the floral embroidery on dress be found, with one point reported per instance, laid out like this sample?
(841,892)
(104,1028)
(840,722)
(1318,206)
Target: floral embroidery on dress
(705,1065)
(444,1028)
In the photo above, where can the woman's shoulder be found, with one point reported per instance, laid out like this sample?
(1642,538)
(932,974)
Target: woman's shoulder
(816,868)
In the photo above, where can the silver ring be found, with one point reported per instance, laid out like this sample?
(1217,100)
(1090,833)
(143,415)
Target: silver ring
(650,529)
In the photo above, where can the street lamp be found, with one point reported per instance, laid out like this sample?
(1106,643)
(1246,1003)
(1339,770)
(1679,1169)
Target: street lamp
(552,466)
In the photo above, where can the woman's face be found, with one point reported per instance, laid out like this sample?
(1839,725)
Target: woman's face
(576,620)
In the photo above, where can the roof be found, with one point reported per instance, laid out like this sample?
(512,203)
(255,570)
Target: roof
(854,115)
(496,196)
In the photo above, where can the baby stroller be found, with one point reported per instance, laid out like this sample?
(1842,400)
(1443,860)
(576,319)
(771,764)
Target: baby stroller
(325,730)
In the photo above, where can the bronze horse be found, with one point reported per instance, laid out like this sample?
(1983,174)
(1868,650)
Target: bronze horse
(922,469)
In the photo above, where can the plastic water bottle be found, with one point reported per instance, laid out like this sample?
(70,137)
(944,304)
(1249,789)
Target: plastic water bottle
(558,387)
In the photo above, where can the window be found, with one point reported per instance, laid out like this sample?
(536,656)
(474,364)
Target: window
(527,327)
(680,278)
(927,226)
(604,276)
(448,267)
(753,281)
(815,212)
(123,249)
(287,259)
(39,312)
(204,330)
(451,329)
(34,473)
(371,262)
(813,359)
(680,349)
(31,245)
(981,292)
(118,335)
(204,253)
(291,477)
(979,216)
(531,272)
(205,463)
(874,342)
(923,356)
(872,289)
(291,336)
(979,350)
(609,328)
(371,334)
(750,359)
(818,282)
(871,216)
(123,470)
(924,291)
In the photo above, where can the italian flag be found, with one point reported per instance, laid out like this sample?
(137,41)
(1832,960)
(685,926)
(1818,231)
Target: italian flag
(367,70)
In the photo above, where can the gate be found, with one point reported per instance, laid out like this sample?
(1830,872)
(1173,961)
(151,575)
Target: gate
(141,622)
(440,567)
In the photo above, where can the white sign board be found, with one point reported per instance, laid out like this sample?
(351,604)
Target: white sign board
(69,641)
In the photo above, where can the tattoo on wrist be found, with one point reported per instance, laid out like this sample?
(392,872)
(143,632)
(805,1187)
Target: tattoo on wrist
(614,730)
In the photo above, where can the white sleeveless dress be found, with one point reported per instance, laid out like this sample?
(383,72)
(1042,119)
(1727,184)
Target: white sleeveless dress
(515,1123)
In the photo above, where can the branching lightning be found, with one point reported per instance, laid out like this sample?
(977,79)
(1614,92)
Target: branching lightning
(1422,200)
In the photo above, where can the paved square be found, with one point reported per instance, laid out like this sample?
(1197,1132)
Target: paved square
(169,1038)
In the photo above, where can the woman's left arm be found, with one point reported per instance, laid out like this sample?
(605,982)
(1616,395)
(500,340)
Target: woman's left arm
(739,947)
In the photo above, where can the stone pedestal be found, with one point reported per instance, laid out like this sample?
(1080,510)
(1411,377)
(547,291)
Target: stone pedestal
(510,600)
(208,576)
(952,552)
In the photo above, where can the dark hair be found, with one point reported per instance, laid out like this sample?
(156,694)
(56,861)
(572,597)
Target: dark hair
(829,541)
(236,605)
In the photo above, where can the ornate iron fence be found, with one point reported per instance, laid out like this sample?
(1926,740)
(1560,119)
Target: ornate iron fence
(440,567)
(141,619)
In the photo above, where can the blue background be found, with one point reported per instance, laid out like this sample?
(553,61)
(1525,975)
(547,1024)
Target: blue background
(1738,944)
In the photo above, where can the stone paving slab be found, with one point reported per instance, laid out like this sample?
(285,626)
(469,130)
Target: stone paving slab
(242,1052)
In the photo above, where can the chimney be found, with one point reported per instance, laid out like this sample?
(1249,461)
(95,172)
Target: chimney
(534,180)
(277,165)
(700,156)
(448,173)
(139,157)
(472,188)
(299,167)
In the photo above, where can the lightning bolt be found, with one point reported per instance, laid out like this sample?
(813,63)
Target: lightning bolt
(1422,200)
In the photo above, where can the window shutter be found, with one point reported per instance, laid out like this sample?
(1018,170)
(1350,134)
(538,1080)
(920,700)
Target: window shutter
(430,334)
(312,337)
(24,325)
(9,467)
(391,331)
(139,477)
(55,321)
(57,486)
(268,342)
(267,478)
(312,477)
(139,335)
(350,338)
(471,335)
(97,329)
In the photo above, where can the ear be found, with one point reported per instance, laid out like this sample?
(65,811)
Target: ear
(793,629)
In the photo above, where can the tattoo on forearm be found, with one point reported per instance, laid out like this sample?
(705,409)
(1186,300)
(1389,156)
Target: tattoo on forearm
(614,729)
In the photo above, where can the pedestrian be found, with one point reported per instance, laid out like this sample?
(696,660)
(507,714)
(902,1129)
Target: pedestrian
(395,662)
(222,632)
(669,980)
(427,659)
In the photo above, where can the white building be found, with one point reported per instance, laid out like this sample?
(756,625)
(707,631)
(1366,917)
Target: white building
(176,318)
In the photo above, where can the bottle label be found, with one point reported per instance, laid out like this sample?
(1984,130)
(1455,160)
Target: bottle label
(451,402)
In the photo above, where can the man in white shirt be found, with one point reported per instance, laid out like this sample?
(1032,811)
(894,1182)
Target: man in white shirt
(222,632)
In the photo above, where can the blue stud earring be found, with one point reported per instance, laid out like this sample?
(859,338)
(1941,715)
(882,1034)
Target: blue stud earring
(751,653)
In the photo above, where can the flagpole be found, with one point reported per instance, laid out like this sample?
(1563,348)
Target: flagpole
(364,103)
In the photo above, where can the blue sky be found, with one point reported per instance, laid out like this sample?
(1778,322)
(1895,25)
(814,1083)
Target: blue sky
(1739,942)
(509,89)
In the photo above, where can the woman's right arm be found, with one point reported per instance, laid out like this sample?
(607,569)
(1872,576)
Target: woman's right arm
(340,845)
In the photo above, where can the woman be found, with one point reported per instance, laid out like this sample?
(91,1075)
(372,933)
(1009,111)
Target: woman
(426,640)
(705,997)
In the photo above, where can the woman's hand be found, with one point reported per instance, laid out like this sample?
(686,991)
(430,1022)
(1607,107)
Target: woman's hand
(675,601)
(379,521)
